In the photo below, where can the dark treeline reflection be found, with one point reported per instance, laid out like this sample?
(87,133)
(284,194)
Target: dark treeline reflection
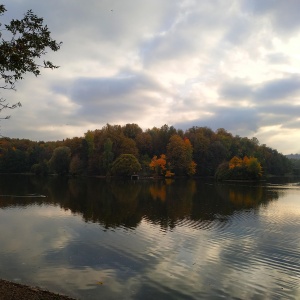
(127,203)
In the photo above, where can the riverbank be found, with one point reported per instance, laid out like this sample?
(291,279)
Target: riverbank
(15,291)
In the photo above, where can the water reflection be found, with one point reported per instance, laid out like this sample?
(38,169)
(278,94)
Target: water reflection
(127,203)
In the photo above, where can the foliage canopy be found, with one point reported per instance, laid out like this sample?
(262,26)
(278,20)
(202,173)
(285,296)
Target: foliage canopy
(60,160)
(197,151)
(22,45)
(240,169)
(125,165)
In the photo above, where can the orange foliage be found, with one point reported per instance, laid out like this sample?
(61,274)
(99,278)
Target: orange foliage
(251,164)
(192,168)
(158,192)
(246,161)
(235,162)
(187,142)
(169,174)
(158,164)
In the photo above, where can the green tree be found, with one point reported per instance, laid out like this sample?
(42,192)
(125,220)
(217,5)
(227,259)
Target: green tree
(40,169)
(144,143)
(14,161)
(160,138)
(60,160)
(125,165)
(108,155)
(89,138)
(76,165)
(26,41)
(131,130)
(217,153)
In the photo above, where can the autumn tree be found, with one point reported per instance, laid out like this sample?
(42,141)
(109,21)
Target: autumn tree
(158,165)
(22,46)
(235,162)
(240,169)
(127,146)
(180,156)
(254,168)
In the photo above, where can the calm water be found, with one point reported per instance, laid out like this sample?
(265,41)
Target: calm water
(93,239)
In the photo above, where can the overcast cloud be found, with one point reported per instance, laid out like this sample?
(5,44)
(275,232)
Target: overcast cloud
(233,64)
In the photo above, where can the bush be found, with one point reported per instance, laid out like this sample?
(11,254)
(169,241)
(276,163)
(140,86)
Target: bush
(125,165)
(40,169)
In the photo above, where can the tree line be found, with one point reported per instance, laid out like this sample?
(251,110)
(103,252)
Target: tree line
(197,151)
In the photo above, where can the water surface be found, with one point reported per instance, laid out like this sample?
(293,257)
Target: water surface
(97,239)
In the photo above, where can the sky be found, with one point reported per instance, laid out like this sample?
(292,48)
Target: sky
(232,64)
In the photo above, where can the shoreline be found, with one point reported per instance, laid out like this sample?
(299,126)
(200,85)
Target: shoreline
(10,290)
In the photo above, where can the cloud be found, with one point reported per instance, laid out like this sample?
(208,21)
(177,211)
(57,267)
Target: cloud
(232,64)
(277,58)
(278,89)
(241,121)
(236,90)
(283,14)
(275,90)
(91,90)
(119,98)
(292,124)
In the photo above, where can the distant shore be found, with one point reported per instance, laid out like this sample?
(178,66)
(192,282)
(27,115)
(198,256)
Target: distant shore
(15,291)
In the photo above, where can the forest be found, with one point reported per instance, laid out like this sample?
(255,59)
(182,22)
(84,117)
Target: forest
(128,149)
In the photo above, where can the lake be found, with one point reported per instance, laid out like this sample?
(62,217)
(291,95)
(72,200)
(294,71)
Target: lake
(91,238)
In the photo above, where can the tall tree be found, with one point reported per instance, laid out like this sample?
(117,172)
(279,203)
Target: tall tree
(108,155)
(180,155)
(60,160)
(144,143)
(131,130)
(26,41)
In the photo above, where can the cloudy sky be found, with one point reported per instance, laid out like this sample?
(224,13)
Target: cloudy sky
(220,63)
